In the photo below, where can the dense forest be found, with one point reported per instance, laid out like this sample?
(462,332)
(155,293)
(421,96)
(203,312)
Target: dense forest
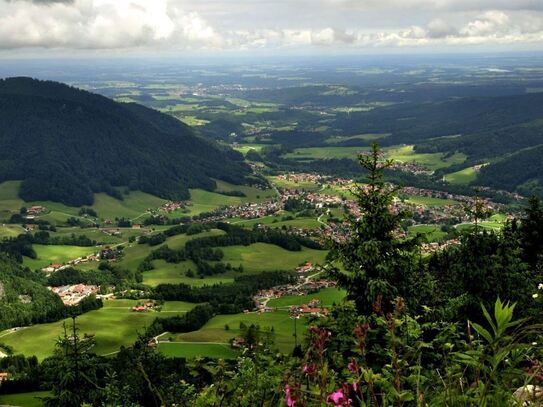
(66,144)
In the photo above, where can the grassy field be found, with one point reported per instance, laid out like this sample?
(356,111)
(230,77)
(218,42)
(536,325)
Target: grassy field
(132,206)
(432,161)
(315,153)
(267,257)
(214,331)
(277,222)
(364,137)
(114,325)
(9,198)
(327,296)
(462,177)
(430,201)
(432,233)
(245,148)
(10,231)
(56,254)
(195,350)
(23,399)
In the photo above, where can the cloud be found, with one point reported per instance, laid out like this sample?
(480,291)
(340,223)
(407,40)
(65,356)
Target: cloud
(181,24)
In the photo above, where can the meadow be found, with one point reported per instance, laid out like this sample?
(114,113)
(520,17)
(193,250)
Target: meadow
(432,233)
(462,177)
(267,257)
(434,161)
(326,296)
(114,325)
(50,254)
(23,399)
(215,330)
(429,201)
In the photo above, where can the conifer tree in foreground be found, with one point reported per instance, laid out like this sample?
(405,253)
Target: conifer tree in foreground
(376,265)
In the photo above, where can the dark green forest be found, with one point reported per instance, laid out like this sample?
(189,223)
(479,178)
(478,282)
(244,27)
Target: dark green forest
(66,144)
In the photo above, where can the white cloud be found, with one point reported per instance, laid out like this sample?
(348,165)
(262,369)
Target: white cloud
(235,24)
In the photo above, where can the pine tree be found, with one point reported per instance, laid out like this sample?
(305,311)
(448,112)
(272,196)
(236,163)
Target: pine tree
(377,266)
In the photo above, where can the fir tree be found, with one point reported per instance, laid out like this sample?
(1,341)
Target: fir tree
(377,266)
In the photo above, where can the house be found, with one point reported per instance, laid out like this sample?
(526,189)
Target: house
(306,268)
(238,342)
(136,226)
(4,376)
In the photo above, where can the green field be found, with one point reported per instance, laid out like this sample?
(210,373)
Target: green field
(462,177)
(327,296)
(214,331)
(56,254)
(277,222)
(430,201)
(364,137)
(432,233)
(433,161)
(267,257)
(169,273)
(23,399)
(134,205)
(245,148)
(10,231)
(114,325)
(316,153)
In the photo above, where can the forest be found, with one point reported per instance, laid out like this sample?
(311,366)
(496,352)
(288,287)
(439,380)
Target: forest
(66,144)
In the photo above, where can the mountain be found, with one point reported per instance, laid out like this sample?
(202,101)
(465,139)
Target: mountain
(66,144)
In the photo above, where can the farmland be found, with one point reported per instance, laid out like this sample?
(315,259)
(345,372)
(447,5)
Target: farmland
(114,325)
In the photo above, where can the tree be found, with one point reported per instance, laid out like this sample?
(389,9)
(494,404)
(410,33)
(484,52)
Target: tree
(531,231)
(75,371)
(377,266)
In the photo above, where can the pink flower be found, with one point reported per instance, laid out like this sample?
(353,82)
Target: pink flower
(355,386)
(353,366)
(338,398)
(289,399)
(309,369)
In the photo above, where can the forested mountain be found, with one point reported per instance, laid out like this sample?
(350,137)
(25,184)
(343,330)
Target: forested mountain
(23,299)
(65,144)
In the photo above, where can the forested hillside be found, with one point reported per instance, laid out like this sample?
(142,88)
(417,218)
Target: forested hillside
(23,299)
(65,144)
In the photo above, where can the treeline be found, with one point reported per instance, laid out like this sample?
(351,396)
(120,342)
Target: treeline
(43,237)
(106,275)
(225,298)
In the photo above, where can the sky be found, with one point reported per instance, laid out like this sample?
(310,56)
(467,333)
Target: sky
(170,27)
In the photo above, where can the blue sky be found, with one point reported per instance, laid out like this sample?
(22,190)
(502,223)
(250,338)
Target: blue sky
(156,27)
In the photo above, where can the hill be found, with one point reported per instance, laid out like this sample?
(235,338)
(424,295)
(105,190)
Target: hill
(66,144)
(23,299)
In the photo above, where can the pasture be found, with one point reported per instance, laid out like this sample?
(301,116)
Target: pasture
(31,399)
(114,325)
(214,331)
(327,297)
(462,177)
(267,257)
(50,254)
(434,161)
